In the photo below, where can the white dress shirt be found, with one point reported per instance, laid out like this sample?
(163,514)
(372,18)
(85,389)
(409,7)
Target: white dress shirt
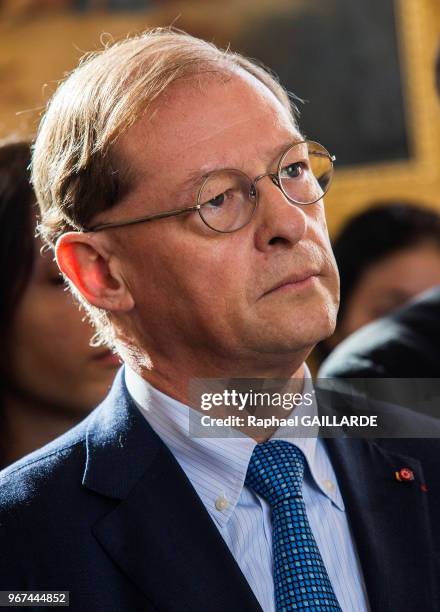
(216,467)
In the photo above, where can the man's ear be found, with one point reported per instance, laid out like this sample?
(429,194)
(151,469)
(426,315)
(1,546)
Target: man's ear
(83,258)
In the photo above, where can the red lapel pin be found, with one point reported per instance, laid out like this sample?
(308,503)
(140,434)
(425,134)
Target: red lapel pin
(404,475)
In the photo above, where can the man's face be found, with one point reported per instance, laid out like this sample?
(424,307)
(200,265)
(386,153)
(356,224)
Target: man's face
(222,297)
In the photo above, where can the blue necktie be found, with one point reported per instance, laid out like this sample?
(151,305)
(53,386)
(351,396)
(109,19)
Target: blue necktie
(276,472)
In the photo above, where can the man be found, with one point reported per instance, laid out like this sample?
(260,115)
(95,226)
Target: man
(188,215)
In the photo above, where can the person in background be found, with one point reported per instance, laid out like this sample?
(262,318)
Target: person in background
(386,256)
(50,376)
(405,344)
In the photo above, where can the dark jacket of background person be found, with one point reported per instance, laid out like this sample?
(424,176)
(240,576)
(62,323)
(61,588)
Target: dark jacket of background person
(406,344)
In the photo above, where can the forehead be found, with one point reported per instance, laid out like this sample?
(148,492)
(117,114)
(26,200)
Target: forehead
(208,121)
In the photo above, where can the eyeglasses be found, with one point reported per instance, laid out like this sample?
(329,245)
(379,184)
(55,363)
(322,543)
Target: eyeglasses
(227,199)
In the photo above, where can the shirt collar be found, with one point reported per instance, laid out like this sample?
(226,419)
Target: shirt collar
(217,467)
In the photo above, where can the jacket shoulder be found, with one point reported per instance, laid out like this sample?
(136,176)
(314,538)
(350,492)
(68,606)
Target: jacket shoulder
(40,474)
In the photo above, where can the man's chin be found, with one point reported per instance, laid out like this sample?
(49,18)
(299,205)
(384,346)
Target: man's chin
(301,333)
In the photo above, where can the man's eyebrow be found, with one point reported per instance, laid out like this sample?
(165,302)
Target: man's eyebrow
(197,176)
(194,178)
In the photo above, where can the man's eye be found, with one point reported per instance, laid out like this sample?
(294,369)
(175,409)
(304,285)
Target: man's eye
(292,170)
(218,200)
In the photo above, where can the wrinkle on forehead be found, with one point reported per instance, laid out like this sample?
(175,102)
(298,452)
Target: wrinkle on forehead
(183,118)
(232,126)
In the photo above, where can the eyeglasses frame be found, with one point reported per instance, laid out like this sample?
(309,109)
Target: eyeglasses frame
(274,176)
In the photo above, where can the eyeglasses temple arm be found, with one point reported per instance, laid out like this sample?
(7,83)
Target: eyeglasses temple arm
(164,215)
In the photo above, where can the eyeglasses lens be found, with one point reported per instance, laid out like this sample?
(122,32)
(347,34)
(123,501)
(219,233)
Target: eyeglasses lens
(228,197)
(227,202)
(305,172)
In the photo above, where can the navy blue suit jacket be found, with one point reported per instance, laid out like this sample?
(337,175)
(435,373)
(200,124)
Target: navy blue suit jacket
(106,513)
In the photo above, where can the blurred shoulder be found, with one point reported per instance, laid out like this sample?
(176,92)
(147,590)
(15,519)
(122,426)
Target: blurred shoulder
(404,344)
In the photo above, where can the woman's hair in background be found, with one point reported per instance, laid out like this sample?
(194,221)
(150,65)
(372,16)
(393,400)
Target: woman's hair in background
(17,222)
(377,233)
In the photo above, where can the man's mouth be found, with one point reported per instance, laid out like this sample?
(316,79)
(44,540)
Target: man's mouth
(296,281)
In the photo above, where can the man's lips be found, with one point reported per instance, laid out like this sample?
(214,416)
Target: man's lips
(294,281)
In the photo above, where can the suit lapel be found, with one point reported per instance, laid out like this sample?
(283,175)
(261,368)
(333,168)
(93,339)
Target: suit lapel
(390,524)
(160,534)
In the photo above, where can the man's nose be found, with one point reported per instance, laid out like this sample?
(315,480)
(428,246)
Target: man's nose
(279,223)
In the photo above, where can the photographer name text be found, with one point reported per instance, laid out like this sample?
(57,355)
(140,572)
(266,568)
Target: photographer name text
(294,421)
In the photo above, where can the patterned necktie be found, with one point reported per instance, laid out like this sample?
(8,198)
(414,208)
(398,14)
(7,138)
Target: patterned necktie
(276,472)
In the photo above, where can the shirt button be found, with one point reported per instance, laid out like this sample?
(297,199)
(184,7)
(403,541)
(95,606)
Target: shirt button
(329,485)
(221,503)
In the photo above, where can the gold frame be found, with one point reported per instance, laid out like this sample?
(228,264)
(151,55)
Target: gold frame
(418,178)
